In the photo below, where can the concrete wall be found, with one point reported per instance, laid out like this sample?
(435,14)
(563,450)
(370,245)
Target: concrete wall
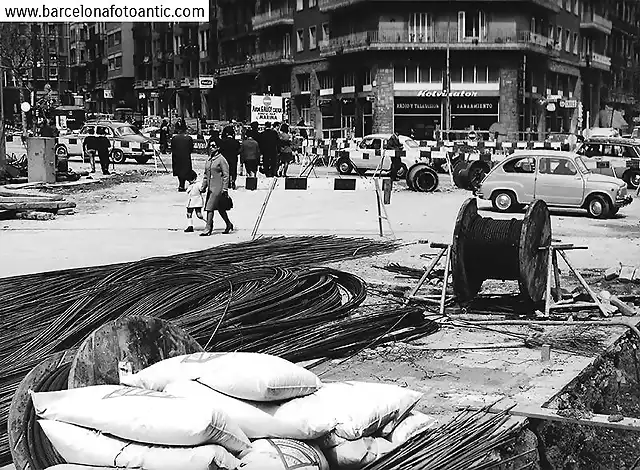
(509,102)
(383,93)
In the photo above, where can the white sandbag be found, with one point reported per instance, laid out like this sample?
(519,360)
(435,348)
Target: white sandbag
(356,454)
(249,376)
(88,447)
(255,419)
(359,408)
(283,454)
(412,425)
(142,415)
(73,466)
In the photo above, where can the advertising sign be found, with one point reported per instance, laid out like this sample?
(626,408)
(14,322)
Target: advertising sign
(206,82)
(477,106)
(417,106)
(265,108)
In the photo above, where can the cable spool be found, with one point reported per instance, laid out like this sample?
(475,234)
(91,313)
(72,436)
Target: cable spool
(30,448)
(127,346)
(485,248)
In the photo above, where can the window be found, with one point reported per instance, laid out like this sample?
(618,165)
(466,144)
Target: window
(286,87)
(471,25)
(576,7)
(325,80)
(366,78)
(371,144)
(300,40)
(559,38)
(420,26)
(313,38)
(304,82)
(349,79)
(576,43)
(103,130)
(325,32)
(567,41)
(557,166)
(313,3)
(117,38)
(53,71)
(119,62)
(299,5)
(87,130)
(286,45)
(520,165)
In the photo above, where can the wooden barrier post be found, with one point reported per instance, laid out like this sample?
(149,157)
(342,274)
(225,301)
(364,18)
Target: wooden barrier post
(387,187)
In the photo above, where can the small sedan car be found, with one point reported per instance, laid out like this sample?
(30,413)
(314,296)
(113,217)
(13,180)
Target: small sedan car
(561,179)
(370,155)
(126,141)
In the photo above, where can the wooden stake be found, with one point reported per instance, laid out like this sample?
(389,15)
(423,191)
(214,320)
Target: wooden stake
(547,297)
(382,208)
(426,274)
(449,167)
(381,232)
(556,274)
(584,284)
(263,208)
(445,280)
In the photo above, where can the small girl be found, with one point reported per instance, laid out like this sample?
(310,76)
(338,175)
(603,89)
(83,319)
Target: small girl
(194,200)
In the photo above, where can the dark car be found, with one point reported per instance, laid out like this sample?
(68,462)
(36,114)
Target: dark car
(613,156)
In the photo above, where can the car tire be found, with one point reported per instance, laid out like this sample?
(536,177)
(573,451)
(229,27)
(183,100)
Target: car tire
(344,166)
(477,172)
(632,178)
(504,201)
(614,211)
(423,179)
(598,207)
(61,151)
(117,156)
(142,160)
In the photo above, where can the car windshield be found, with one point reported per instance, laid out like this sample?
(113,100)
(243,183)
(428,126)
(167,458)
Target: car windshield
(412,144)
(582,168)
(127,130)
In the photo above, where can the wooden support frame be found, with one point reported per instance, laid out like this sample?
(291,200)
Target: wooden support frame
(445,251)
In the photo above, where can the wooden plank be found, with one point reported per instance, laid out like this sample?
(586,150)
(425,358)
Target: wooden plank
(49,197)
(548,414)
(37,205)
(134,343)
(19,199)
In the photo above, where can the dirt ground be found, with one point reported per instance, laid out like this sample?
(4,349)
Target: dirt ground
(139,214)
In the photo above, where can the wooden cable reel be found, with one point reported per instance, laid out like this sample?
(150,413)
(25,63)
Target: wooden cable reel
(485,248)
(136,342)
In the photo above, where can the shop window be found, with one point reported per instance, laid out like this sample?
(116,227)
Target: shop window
(313,38)
(300,40)
(471,25)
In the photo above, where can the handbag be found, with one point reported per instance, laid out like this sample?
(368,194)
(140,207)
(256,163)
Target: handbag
(225,203)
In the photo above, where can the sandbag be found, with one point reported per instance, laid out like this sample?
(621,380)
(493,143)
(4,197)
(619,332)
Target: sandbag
(283,454)
(248,376)
(255,419)
(142,416)
(73,466)
(359,408)
(412,425)
(356,454)
(88,447)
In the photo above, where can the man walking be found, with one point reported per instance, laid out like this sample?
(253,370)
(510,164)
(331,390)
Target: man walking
(269,148)
(396,161)
(181,149)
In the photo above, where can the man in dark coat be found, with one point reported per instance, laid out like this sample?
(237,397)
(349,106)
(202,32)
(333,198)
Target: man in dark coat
(250,154)
(396,161)
(181,149)
(230,149)
(101,145)
(269,147)
(254,131)
(47,130)
(303,131)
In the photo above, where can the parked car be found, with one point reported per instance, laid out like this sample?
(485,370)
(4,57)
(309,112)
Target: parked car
(560,179)
(621,158)
(126,141)
(372,154)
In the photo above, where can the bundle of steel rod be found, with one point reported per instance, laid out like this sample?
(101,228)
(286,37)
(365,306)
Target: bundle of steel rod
(233,298)
(464,443)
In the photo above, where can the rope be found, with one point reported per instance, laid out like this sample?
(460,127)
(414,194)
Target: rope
(491,249)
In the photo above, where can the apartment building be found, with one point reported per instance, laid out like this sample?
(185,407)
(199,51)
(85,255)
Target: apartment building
(373,65)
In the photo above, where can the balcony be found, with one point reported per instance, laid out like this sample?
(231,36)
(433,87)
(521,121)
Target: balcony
(138,84)
(279,17)
(596,22)
(264,59)
(332,5)
(437,40)
(229,70)
(234,31)
(595,61)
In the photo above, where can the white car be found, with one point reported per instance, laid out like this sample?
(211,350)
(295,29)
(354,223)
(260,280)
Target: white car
(373,154)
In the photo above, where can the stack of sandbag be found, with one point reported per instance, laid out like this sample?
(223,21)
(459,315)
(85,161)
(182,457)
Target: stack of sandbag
(353,423)
(120,426)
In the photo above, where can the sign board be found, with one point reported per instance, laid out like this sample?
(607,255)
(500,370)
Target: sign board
(108,93)
(206,82)
(568,104)
(266,108)
(476,106)
(443,94)
(416,106)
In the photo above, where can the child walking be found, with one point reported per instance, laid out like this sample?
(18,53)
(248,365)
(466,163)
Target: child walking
(194,200)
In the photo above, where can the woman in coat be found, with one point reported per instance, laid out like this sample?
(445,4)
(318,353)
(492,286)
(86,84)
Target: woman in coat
(215,186)
(164,136)
(286,151)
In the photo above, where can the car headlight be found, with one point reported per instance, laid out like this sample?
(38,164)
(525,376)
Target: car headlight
(622,191)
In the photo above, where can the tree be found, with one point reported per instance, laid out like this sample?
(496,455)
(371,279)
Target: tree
(19,49)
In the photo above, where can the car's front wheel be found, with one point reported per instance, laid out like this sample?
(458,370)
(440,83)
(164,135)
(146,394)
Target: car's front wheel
(504,201)
(117,156)
(344,166)
(598,207)
(632,178)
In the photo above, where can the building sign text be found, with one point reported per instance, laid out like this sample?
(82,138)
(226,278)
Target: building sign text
(265,108)
(444,94)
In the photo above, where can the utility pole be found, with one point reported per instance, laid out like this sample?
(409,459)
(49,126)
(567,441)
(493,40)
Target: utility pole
(3,139)
(447,124)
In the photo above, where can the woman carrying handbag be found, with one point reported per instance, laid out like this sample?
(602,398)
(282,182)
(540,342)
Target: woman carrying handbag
(215,185)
